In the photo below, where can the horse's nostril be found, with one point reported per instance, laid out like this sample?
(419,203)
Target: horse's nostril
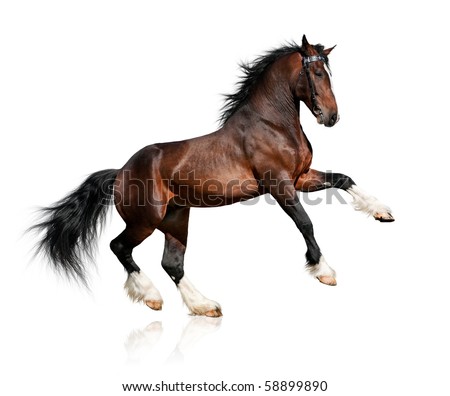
(333,119)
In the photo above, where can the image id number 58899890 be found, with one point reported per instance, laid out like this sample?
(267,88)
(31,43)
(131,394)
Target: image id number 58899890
(308,386)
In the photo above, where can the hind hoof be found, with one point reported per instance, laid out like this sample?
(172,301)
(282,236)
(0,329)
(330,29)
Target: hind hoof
(154,304)
(212,310)
(327,280)
(214,313)
(384,217)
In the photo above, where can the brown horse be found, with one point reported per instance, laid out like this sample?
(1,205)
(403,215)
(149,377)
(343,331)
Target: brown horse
(260,149)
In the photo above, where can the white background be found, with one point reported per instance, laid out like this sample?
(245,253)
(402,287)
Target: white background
(85,84)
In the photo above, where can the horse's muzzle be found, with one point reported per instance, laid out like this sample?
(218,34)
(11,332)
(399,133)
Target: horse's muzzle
(332,120)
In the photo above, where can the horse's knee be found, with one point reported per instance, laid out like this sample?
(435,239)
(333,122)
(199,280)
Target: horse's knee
(342,181)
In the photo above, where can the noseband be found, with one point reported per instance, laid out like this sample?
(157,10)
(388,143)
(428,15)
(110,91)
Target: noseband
(307,60)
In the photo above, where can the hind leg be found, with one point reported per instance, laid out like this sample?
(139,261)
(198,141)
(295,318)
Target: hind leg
(138,286)
(175,228)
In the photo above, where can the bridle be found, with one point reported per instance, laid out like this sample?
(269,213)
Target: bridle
(307,60)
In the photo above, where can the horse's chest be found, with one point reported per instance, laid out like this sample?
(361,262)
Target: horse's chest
(303,161)
(294,159)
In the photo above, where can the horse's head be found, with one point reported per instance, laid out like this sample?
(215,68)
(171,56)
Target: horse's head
(314,85)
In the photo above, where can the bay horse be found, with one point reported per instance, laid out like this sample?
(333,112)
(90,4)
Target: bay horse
(260,148)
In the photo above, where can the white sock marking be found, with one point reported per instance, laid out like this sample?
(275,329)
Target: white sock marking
(197,303)
(367,203)
(321,269)
(140,288)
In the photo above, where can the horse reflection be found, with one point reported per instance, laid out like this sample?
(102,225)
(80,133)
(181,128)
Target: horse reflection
(141,343)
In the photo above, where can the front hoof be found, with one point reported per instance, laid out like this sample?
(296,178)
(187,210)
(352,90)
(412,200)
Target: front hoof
(156,305)
(384,217)
(327,280)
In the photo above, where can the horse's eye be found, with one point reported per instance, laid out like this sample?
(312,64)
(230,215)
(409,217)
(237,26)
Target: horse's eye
(318,73)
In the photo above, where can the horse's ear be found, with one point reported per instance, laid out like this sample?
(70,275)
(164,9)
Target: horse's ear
(305,43)
(306,47)
(328,50)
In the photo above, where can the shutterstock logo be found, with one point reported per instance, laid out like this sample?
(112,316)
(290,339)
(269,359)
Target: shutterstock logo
(188,189)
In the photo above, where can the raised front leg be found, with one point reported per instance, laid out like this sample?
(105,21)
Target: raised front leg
(284,193)
(315,180)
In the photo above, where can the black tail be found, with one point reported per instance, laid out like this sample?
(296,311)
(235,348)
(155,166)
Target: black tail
(70,226)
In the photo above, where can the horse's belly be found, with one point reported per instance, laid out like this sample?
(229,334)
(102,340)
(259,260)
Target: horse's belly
(211,192)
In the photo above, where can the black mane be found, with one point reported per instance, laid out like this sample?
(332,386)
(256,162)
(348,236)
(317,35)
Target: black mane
(251,73)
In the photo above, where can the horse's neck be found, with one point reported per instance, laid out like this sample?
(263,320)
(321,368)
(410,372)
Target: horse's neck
(281,117)
(277,108)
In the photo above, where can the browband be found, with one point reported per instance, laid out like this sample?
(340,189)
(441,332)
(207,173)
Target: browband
(313,58)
